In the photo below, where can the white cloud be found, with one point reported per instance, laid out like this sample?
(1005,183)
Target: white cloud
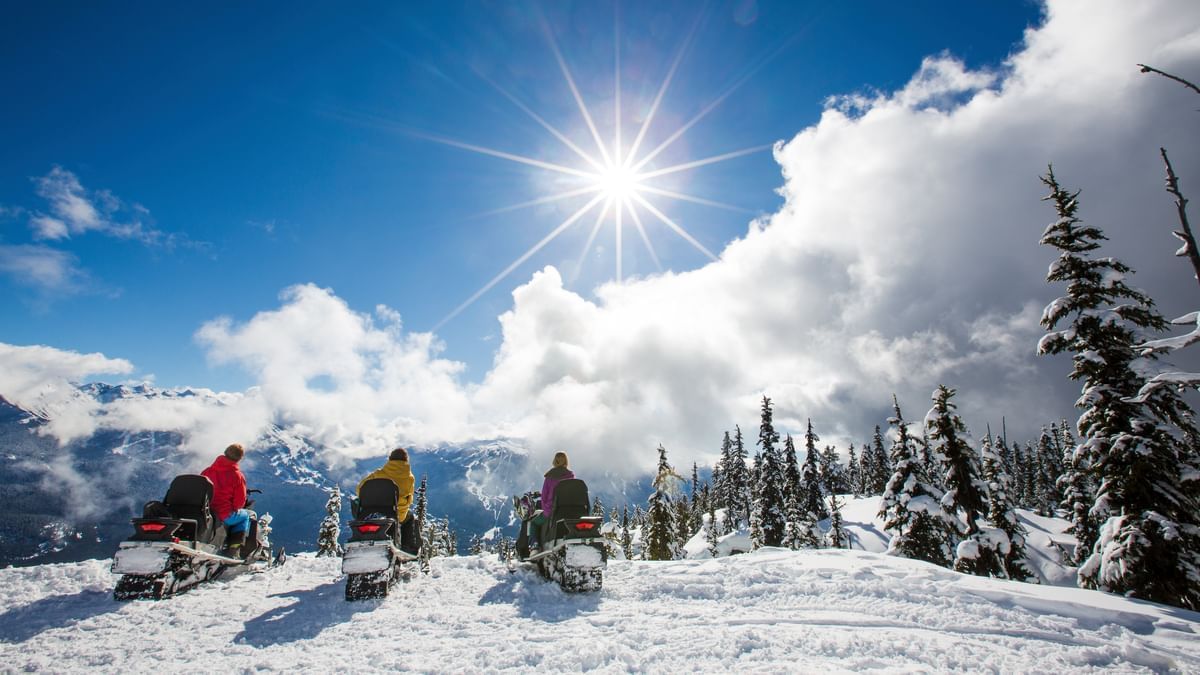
(43,268)
(75,210)
(352,381)
(905,256)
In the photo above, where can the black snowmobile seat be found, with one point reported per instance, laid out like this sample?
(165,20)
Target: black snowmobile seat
(570,500)
(188,498)
(378,495)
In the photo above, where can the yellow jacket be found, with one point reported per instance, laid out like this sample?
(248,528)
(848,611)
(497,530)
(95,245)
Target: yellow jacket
(400,473)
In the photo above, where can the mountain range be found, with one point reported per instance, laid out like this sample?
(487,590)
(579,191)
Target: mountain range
(73,501)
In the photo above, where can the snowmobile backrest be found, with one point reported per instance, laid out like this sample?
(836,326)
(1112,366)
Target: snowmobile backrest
(378,495)
(571,500)
(188,498)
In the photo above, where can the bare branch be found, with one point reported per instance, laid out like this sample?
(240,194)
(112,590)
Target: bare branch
(1189,240)
(1147,69)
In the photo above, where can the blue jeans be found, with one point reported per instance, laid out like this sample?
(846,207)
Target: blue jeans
(238,521)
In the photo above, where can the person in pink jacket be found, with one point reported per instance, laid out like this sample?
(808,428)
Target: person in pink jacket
(559,471)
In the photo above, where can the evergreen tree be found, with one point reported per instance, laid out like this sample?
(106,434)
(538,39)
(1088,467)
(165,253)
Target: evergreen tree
(659,538)
(626,535)
(1020,494)
(1148,545)
(813,505)
(833,474)
(712,532)
(1002,514)
(421,503)
(475,545)
(737,479)
(694,512)
(881,466)
(331,526)
(683,528)
(966,492)
(770,506)
(756,532)
(791,471)
(1078,495)
(837,536)
(853,475)
(597,507)
(911,508)
(720,477)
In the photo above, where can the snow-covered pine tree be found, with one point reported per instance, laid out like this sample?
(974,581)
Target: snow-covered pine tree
(1002,514)
(1148,545)
(597,507)
(421,511)
(683,527)
(770,505)
(833,474)
(738,484)
(966,492)
(791,471)
(866,470)
(881,466)
(837,535)
(659,537)
(475,545)
(813,504)
(1029,477)
(910,507)
(712,531)
(1079,493)
(720,476)
(1020,494)
(331,526)
(626,539)
(853,474)
(695,515)
(756,533)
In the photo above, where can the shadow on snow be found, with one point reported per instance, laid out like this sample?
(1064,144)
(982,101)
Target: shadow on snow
(56,611)
(313,611)
(538,599)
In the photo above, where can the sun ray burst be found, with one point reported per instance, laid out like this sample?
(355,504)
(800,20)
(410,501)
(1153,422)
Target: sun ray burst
(548,199)
(637,222)
(692,198)
(615,176)
(546,125)
(590,240)
(703,162)
(571,219)
(672,224)
(662,90)
(521,159)
(562,64)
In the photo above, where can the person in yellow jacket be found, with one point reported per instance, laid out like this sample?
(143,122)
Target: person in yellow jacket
(398,470)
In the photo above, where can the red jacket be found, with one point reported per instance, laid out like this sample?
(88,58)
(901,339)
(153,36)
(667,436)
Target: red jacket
(229,487)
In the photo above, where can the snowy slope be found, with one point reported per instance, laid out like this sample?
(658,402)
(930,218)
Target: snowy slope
(769,611)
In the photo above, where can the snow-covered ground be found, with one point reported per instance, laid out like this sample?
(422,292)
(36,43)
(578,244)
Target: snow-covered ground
(769,611)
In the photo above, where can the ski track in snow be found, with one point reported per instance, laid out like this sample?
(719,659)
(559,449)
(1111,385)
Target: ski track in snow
(769,611)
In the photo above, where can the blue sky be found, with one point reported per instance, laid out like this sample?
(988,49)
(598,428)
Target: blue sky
(275,145)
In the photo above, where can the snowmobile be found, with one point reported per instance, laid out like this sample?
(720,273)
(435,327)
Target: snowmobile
(569,548)
(177,544)
(374,560)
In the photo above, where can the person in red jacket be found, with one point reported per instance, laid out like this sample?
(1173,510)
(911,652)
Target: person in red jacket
(229,497)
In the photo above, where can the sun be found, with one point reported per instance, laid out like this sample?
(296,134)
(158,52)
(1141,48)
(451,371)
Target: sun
(616,179)
(618,183)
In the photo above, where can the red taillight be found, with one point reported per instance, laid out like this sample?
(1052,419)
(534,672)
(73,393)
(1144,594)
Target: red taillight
(585,526)
(368,528)
(151,527)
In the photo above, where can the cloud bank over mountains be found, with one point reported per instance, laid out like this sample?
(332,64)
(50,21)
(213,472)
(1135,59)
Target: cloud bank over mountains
(905,256)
